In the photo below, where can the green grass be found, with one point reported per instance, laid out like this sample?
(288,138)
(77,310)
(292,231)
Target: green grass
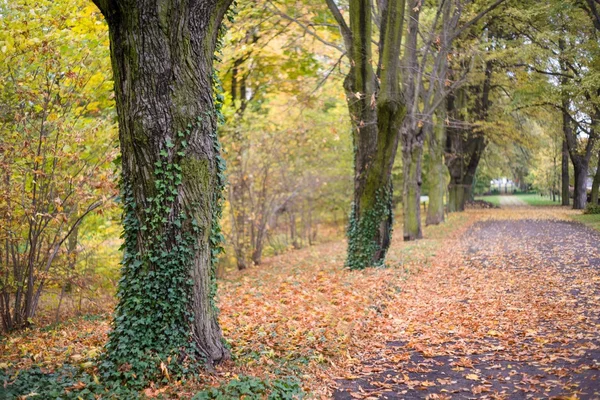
(534,199)
(494,199)
(591,220)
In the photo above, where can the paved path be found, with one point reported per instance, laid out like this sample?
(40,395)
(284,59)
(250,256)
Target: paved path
(514,315)
(511,201)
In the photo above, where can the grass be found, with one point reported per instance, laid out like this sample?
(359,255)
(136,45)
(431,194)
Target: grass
(494,199)
(591,220)
(532,199)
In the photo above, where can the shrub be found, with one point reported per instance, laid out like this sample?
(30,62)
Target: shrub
(592,209)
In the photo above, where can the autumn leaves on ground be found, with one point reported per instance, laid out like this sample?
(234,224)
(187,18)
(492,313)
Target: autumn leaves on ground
(499,303)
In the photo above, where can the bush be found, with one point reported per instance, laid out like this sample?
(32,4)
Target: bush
(67,382)
(592,209)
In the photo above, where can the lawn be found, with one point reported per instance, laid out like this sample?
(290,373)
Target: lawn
(591,220)
(532,199)
(494,199)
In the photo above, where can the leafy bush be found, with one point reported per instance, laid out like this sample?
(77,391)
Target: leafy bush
(68,382)
(592,209)
(251,388)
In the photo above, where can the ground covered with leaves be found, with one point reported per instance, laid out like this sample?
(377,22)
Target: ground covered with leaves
(494,303)
(511,312)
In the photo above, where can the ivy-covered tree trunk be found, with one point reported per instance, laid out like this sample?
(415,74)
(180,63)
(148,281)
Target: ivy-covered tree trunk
(565,175)
(377,110)
(172,177)
(437,171)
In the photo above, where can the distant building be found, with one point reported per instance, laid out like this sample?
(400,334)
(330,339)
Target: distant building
(502,185)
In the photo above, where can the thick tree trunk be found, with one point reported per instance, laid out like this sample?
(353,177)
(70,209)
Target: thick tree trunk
(566,195)
(456,196)
(377,115)
(162,55)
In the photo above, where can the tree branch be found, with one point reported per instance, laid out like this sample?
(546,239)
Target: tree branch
(305,28)
(339,18)
(477,18)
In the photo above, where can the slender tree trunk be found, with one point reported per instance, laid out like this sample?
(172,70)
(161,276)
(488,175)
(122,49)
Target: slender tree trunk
(580,193)
(412,153)
(412,133)
(162,56)
(437,171)
(596,184)
(566,193)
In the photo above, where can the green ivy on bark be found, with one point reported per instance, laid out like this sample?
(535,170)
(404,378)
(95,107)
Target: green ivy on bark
(363,232)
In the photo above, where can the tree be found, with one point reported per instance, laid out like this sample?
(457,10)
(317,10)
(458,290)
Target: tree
(559,41)
(282,107)
(54,97)
(172,177)
(376,110)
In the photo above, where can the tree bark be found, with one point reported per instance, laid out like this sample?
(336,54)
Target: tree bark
(580,193)
(412,132)
(465,146)
(162,57)
(565,180)
(412,154)
(580,161)
(437,171)
(377,113)
(596,184)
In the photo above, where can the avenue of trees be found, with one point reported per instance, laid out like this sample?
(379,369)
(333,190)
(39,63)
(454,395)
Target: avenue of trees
(306,102)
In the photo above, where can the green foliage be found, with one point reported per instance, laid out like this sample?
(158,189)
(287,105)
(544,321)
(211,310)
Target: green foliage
(253,388)
(151,337)
(534,199)
(592,209)
(56,146)
(68,382)
(591,220)
(363,232)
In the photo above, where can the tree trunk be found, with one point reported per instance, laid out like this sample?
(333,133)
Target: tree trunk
(376,118)
(565,180)
(437,171)
(172,176)
(456,196)
(412,153)
(596,184)
(580,193)
(412,134)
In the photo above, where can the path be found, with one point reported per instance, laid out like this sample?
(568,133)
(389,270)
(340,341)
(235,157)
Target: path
(514,314)
(511,201)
